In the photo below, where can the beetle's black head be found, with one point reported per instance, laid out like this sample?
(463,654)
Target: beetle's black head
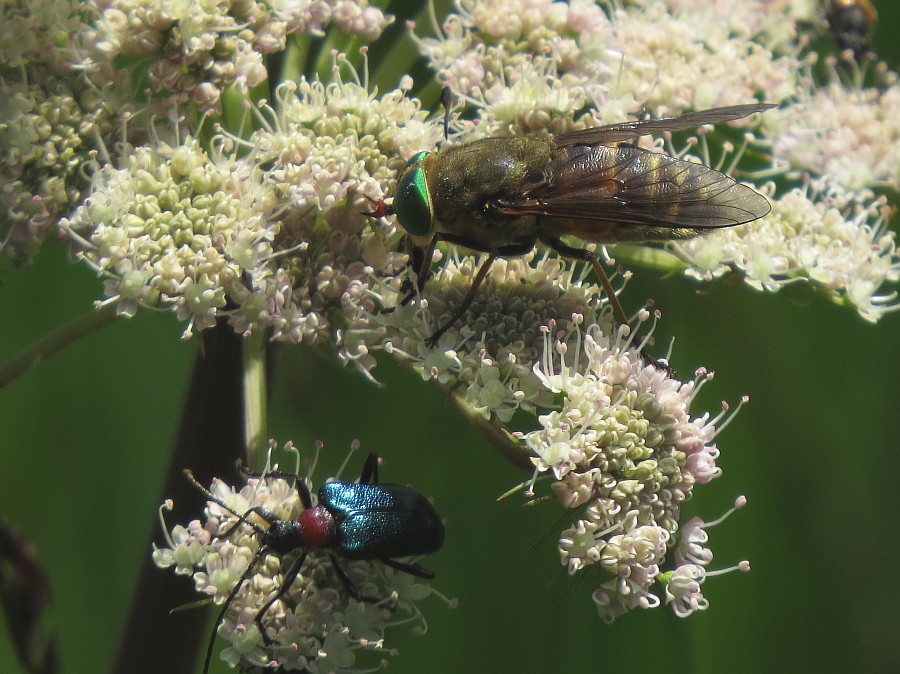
(283,536)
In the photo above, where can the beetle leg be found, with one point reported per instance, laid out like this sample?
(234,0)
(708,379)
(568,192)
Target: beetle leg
(303,491)
(289,579)
(348,584)
(585,255)
(219,618)
(411,569)
(369,474)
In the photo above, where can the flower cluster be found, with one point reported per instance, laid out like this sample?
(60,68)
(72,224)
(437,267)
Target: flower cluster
(487,355)
(824,234)
(193,52)
(776,24)
(690,558)
(51,124)
(843,131)
(625,451)
(269,230)
(315,625)
(172,227)
(537,67)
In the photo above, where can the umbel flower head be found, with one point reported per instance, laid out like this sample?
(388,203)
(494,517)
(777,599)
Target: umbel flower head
(542,65)
(193,52)
(268,231)
(840,129)
(315,624)
(625,453)
(822,233)
(557,66)
(67,69)
(487,356)
(51,124)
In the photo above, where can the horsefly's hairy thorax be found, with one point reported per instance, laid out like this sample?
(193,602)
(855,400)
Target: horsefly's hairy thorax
(465,179)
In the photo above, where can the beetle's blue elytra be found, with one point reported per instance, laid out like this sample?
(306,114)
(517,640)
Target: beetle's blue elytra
(412,201)
(374,521)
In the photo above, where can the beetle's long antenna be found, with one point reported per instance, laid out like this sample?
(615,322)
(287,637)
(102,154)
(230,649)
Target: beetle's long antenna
(189,474)
(274,474)
(262,511)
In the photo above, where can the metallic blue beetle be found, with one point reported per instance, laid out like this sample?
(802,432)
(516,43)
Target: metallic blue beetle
(355,520)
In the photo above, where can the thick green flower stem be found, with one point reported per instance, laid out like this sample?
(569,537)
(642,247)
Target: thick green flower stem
(210,438)
(293,59)
(48,345)
(494,432)
(254,358)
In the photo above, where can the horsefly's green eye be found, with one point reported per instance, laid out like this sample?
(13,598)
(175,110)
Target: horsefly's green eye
(412,202)
(412,161)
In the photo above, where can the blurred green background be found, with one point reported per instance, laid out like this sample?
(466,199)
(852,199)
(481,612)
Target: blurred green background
(85,437)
